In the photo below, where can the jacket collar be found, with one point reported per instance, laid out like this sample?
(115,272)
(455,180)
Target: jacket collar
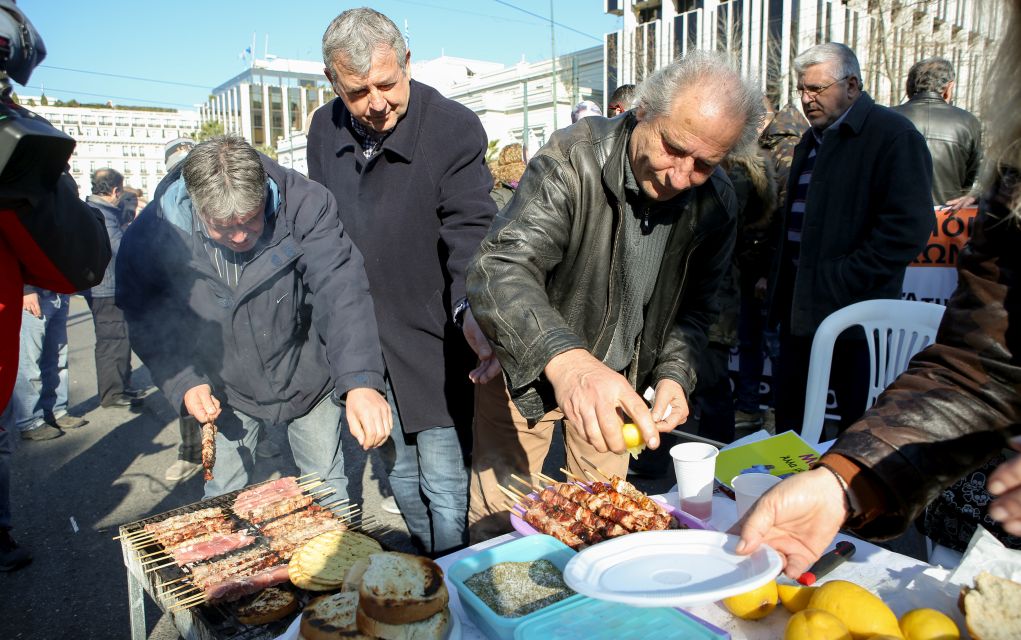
(858,114)
(613,167)
(927,96)
(402,139)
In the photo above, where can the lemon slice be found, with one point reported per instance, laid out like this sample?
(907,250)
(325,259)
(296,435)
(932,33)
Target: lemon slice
(633,439)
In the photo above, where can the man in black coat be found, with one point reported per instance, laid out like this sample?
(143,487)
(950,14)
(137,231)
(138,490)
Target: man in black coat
(250,307)
(953,135)
(407,167)
(858,210)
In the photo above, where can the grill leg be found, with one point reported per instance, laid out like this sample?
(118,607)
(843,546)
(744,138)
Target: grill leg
(136,602)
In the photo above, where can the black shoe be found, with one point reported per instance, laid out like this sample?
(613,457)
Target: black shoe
(67,421)
(45,432)
(12,557)
(121,401)
(134,393)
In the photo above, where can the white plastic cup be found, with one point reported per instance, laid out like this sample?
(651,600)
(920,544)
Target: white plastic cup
(748,487)
(695,466)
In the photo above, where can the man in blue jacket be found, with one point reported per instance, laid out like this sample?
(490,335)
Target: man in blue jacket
(407,167)
(250,306)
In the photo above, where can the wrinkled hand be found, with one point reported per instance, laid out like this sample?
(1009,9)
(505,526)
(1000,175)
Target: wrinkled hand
(761,288)
(489,366)
(959,203)
(369,417)
(798,517)
(1005,484)
(201,404)
(30,303)
(671,406)
(593,397)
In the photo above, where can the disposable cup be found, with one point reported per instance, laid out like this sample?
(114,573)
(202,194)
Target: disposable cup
(749,486)
(695,466)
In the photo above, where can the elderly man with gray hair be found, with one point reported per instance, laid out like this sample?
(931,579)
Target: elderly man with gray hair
(408,169)
(252,308)
(858,211)
(954,136)
(599,279)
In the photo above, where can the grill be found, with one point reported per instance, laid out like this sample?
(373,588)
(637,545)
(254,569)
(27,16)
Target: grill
(205,621)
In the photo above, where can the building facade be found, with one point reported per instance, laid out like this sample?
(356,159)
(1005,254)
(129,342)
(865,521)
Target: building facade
(270,100)
(128,140)
(764,36)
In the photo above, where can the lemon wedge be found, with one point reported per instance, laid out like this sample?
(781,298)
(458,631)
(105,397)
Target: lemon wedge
(633,439)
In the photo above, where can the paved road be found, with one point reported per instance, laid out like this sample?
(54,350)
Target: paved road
(70,494)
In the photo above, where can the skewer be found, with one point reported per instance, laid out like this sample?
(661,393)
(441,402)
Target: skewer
(544,477)
(598,470)
(151,569)
(155,560)
(314,482)
(572,476)
(154,553)
(179,590)
(187,604)
(350,507)
(142,545)
(323,493)
(514,496)
(349,518)
(307,475)
(133,537)
(525,482)
(336,502)
(170,582)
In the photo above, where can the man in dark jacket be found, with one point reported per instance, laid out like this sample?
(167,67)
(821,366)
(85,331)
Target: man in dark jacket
(599,279)
(953,135)
(858,210)
(250,306)
(407,167)
(113,348)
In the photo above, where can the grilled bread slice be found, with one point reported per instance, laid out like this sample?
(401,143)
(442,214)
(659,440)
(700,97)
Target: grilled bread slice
(322,562)
(271,604)
(992,609)
(398,588)
(332,617)
(435,627)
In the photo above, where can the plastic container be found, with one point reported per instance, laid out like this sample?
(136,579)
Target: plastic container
(521,550)
(589,619)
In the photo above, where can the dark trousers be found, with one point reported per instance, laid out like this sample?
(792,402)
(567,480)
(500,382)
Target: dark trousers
(113,349)
(191,440)
(849,378)
(712,399)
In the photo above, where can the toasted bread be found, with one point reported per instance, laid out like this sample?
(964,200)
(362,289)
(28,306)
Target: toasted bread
(398,588)
(322,562)
(353,579)
(435,627)
(269,605)
(992,609)
(332,617)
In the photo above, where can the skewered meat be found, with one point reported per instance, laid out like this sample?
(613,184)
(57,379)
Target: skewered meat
(241,563)
(633,492)
(235,587)
(268,492)
(277,508)
(183,520)
(208,449)
(580,512)
(214,546)
(175,537)
(538,516)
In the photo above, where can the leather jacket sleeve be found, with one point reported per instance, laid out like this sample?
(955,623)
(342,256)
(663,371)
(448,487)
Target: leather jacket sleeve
(507,280)
(958,402)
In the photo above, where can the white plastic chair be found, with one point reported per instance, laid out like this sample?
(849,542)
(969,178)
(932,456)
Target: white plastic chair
(895,330)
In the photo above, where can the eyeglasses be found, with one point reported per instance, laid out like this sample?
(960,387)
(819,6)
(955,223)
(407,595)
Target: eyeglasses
(815,92)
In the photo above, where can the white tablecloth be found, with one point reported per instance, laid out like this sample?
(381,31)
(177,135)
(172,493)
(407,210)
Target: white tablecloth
(902,582)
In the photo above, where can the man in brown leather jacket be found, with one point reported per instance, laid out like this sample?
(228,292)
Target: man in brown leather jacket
(953,135)
(599,278)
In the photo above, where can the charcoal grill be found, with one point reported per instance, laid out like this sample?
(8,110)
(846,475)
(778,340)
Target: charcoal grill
(204,621)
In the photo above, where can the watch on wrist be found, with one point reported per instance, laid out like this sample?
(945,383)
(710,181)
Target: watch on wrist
(459,309)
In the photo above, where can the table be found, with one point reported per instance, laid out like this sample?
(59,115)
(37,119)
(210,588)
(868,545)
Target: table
(904,583)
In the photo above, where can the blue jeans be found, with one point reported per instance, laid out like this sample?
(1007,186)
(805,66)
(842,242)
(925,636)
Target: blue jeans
(40,391)
(314,439)
(6,450)
(429,480)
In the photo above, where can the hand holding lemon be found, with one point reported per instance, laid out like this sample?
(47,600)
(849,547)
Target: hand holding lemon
(633,439)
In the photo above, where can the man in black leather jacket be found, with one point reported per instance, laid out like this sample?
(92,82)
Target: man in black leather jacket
(599,278)
(953,135)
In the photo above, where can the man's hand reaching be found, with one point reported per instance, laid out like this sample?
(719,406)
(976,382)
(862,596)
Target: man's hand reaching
(201,404)
(369,417)
(489,366)
(593,398)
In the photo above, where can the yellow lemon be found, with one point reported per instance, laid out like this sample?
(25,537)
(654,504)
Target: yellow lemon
(815,624)
(864,613)
(928,624)
(794,597)
(633,439)
(755,604)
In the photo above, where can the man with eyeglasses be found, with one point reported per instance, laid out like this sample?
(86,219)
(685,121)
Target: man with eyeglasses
(858,211)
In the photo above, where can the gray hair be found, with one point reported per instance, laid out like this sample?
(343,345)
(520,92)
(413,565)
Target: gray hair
(356,34)
(656,94)
(930,74)
(584,109)
(224,177)
(844,61)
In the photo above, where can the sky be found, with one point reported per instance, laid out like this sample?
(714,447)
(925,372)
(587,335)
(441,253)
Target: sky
(172,54)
